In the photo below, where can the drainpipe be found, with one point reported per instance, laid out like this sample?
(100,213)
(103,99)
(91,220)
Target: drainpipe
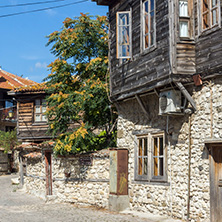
(189,170)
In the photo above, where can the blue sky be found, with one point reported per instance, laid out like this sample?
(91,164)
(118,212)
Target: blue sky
(23,37)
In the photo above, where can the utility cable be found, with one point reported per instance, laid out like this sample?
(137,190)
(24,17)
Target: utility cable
(26,4)
(43,9)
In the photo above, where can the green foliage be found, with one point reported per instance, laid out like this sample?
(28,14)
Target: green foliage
(8,140)
(79,111)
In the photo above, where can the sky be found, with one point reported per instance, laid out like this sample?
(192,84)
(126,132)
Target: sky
(23,39)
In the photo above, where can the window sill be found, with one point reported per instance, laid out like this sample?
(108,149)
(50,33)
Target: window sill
(148,50)
(151,182)
(40,123)
(209,30)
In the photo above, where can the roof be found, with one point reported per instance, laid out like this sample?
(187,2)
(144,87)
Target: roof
(11,81)
(37,87)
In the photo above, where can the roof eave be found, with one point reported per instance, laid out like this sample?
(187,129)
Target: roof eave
(103,2)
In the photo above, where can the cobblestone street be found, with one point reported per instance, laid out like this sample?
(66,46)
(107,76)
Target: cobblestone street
(18,206)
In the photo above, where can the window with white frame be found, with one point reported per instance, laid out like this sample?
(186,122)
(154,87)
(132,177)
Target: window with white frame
(150,158)
(149,24)
(210,13)
(184,19)
(124,35)
(39,110)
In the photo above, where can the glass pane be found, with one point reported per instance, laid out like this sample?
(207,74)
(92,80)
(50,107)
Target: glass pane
(37,118)
(206,20)
(214,17)
(125,50)
(146,41)
(146,23)
(183,8)
(184,29)
(44,118)
(205,5)
(145,147)
(43,109)
(146,7)
(145,166)
(151,21)
(161,146)
(155,147)
(140,169)
(161,167)
(37,102)
(123,18)
(151,5)
(140,147)
(155,166)
(214,3)
(37,109)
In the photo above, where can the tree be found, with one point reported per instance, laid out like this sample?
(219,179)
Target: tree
(77,86)
(8,140)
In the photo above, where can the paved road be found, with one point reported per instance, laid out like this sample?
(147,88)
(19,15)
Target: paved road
(18,206)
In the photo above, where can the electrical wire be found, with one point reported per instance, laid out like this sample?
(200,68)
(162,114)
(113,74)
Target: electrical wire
(43,9)
(33,3)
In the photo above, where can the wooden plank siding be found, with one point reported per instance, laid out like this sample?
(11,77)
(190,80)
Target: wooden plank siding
(143,68)
(27,128)
(170,59)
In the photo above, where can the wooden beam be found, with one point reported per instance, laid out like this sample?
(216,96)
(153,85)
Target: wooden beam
(186,94)
(141,105)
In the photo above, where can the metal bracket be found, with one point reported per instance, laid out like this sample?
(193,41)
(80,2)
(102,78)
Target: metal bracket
(186,94)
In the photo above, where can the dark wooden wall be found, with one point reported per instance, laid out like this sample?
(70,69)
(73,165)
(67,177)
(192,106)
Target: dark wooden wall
(145,69)
(28,130)
(209,50)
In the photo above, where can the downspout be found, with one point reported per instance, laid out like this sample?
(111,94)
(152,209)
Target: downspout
(169,146)
(189,170)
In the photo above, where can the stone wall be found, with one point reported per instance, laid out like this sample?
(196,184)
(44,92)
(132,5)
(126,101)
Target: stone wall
(170,198)
(75,179)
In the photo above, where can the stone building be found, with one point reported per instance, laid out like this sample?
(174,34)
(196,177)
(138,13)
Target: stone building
(166,82)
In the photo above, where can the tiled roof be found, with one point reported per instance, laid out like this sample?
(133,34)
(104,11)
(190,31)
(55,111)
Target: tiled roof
(37,87)
(11,81)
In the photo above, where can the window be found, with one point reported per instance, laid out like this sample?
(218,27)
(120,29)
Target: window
(209,13)
(184,18)
(148,27)
(40,109)
(150,158)
(157,156)
(123,35)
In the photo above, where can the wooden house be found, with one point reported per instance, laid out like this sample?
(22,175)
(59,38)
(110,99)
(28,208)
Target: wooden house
(8,112)
(166,82)
(32,125)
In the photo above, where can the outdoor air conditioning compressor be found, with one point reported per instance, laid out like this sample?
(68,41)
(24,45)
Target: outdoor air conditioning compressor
(170,102)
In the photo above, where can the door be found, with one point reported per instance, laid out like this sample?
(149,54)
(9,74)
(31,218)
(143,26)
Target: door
(48,169)
(216,183)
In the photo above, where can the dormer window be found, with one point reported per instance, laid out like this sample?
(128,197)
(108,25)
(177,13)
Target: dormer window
(124,35)
(209,13)
(149,26)
(184,19)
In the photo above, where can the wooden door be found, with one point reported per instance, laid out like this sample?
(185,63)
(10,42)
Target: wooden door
(48,169)
(216,183)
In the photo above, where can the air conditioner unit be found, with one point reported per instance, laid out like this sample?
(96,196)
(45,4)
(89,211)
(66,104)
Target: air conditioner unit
(170,102)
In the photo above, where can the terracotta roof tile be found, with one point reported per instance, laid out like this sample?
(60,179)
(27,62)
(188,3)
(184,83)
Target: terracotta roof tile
(11,81)
(37,87)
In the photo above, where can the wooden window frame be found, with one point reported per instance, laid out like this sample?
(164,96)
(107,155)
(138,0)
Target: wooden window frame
(41,113)
(186,19)
(118,36)
(150,175)
(143,25)
(158,157)
(209,11)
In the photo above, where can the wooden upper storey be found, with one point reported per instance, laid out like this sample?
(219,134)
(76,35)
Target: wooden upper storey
(156,42)
(32,124)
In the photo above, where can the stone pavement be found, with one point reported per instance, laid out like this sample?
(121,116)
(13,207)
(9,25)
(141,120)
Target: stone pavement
(18,206)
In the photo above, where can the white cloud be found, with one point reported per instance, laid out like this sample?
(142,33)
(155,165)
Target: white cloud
(51,12)
(40,65)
